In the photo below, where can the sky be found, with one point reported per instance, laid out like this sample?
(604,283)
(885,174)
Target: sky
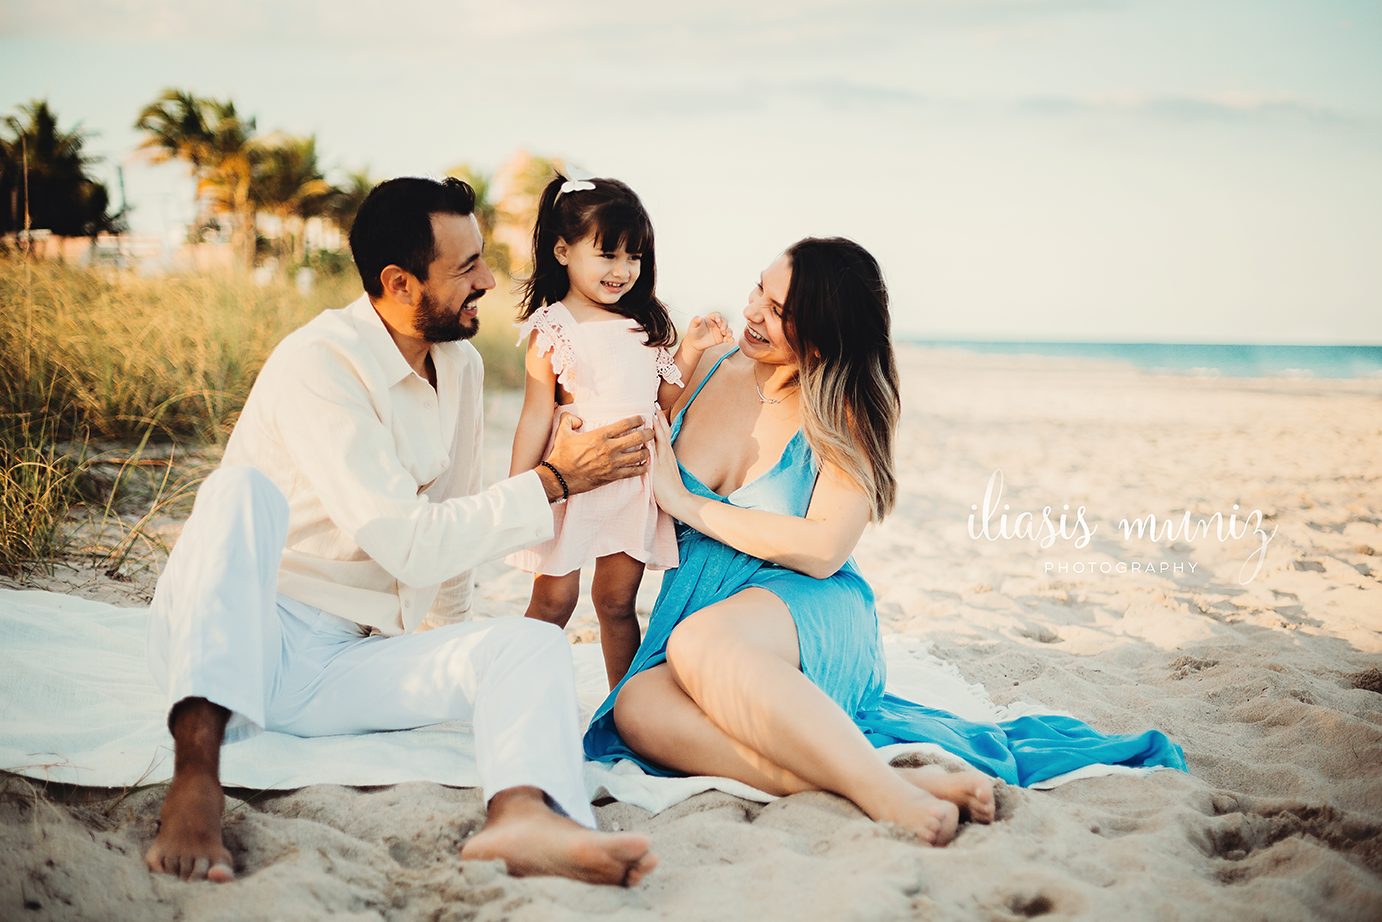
(1062,170)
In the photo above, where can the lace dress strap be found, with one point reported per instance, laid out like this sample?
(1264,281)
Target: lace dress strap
(553,337)
(667,368)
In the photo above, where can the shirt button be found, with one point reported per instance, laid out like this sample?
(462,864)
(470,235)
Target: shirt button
(407,603)
(443,462)
(427,404)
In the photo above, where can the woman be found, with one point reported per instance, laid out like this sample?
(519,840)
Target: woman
(762,660)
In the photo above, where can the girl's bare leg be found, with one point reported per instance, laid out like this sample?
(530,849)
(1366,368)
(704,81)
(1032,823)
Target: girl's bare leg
(614,591)
(554,598)
(660,722)
(738,661)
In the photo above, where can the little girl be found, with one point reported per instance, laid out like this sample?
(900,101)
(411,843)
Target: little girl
(598,342)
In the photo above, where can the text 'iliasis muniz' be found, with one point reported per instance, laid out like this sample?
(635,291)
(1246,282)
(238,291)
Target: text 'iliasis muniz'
(1046,531)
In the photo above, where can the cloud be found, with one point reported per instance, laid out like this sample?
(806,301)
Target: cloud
(1234,106)
(1217,107)
(727,23)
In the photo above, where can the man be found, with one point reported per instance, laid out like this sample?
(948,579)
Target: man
(346,516)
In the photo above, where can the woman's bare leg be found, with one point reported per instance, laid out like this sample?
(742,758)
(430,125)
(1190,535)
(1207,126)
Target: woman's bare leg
(554,598)
(738,661)
(614,590)
(660,722)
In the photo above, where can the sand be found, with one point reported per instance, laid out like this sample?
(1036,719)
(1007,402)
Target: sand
(1271,685)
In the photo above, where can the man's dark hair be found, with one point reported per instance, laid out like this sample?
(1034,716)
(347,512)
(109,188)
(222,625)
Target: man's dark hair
(394,226)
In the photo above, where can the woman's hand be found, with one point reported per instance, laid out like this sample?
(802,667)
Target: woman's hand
(668,488)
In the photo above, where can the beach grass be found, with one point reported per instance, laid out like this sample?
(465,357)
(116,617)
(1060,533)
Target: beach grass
(107,378)
(38,484)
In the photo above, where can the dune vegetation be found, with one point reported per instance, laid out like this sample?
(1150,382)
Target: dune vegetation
(117,390)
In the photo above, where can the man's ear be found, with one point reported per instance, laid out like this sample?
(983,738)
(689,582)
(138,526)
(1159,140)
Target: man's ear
(561,250)
(399,284)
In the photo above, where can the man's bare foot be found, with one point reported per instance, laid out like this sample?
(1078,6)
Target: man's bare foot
(971,791)
(533,841)
(189,836)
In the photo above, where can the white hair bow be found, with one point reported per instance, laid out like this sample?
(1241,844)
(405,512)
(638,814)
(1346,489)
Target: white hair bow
(577,185)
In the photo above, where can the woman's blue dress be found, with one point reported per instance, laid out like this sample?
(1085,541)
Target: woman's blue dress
(841,652)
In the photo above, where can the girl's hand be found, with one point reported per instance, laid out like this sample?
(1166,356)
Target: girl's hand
(664,471)
(706,332)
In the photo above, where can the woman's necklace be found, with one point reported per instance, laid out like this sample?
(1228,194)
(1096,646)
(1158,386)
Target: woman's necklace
(760,390)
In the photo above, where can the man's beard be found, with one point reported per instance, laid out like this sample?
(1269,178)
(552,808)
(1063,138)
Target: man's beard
(435,326)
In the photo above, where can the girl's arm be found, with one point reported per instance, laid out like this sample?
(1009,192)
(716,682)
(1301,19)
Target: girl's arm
(816,545)
(539,401)
(701,334)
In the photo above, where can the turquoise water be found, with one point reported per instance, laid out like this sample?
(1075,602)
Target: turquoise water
(1234,361)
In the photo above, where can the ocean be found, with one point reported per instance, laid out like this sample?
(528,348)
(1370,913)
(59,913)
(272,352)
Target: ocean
(1234,361)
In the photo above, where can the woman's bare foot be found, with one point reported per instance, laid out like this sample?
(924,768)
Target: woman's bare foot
(929,818)
(533,841)
(189,837)
(971,791)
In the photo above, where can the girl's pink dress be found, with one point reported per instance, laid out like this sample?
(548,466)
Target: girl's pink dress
(612,374)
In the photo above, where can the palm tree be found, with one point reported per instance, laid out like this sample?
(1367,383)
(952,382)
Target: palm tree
(176,127)
(288,183)
(219,146)
(486,215)
(344,200)
(43,173)
(521,181)
(233,152)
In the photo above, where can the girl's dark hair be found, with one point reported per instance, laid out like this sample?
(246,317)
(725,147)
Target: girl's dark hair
(835,315)
(612,212)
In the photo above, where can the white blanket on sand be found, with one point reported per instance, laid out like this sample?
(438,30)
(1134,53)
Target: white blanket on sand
(78,706)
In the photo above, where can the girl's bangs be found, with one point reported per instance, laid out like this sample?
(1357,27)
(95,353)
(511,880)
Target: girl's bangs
(623,227)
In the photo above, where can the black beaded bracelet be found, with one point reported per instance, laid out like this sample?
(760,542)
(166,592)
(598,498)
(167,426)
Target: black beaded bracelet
(565,490)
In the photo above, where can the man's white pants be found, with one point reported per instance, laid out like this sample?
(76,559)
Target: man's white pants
(220,631)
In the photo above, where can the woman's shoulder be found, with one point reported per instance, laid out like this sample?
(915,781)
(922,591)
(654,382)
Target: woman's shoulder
(711,359)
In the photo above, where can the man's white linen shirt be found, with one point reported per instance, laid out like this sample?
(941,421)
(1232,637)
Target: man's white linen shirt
(381,472)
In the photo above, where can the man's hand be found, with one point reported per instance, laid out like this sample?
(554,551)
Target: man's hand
(591,459)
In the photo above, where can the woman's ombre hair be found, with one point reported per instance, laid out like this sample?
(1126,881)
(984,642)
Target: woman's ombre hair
(835,315)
